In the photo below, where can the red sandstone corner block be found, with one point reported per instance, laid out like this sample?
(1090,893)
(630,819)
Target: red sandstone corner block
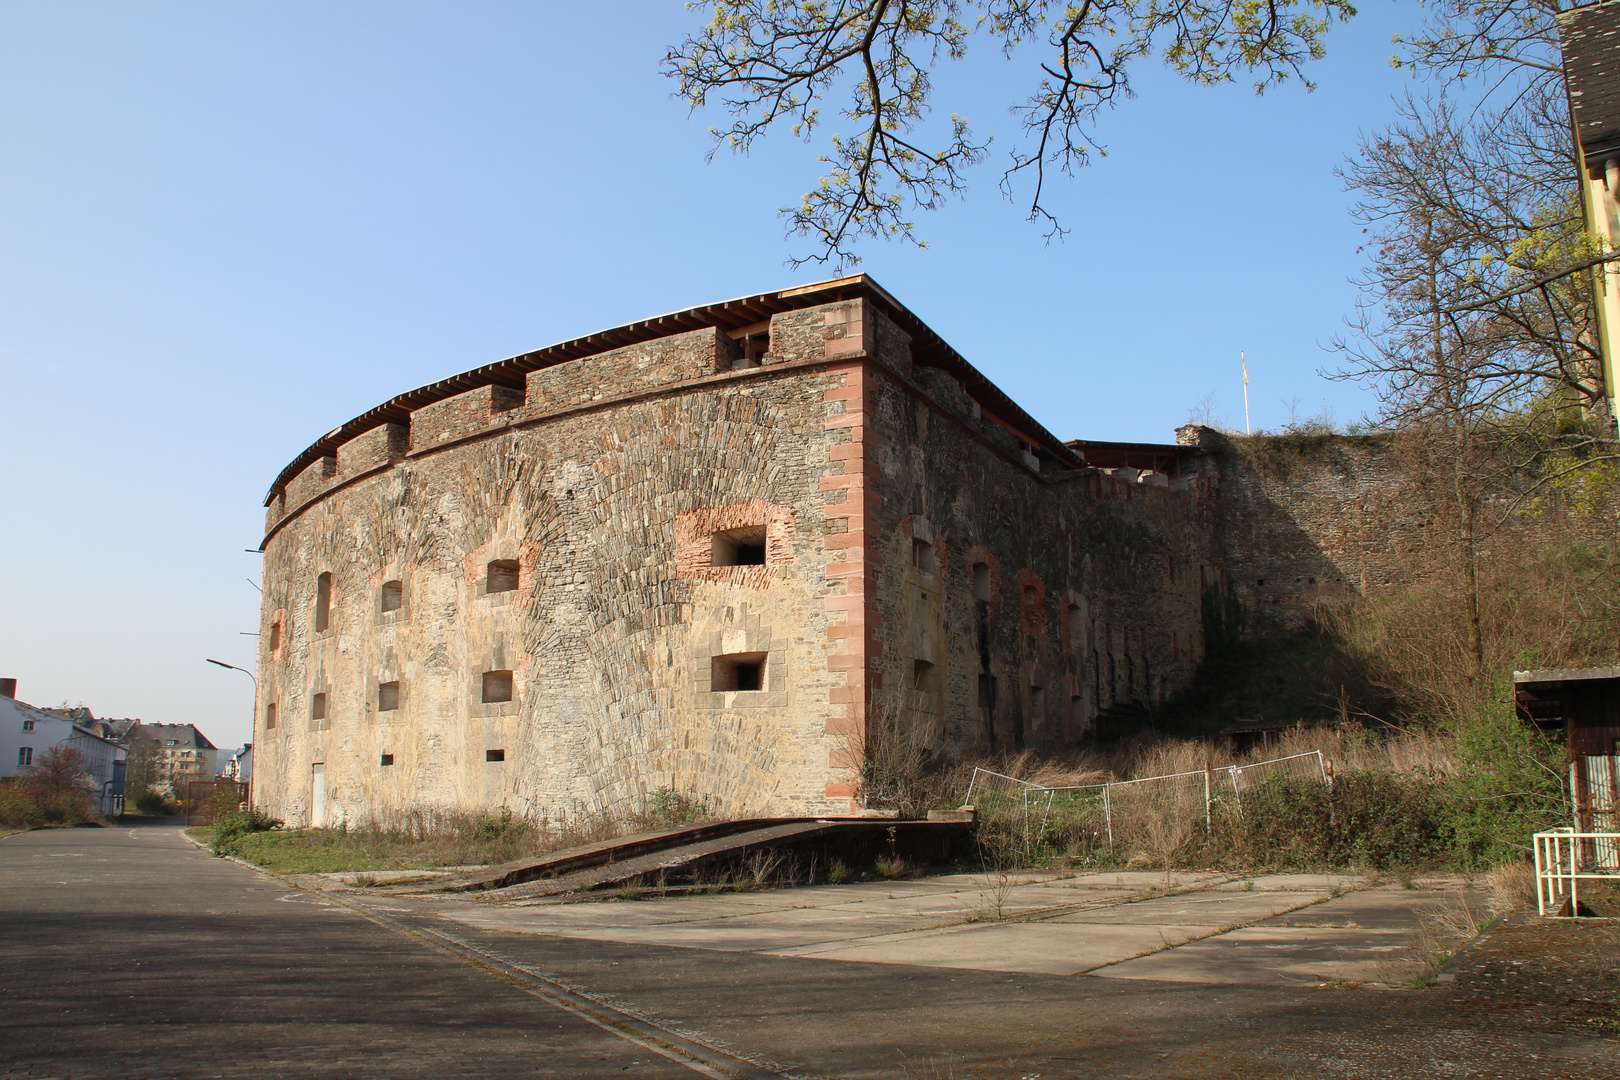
(464,414)
(850,473)
(849,330)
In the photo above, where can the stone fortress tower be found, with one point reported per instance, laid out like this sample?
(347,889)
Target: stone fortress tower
(715,551)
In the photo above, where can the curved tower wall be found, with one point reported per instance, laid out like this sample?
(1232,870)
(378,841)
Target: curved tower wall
(604,480)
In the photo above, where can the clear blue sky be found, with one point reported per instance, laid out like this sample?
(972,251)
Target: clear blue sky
(227,228)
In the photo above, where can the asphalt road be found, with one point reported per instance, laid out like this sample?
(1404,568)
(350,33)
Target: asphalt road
(129,952)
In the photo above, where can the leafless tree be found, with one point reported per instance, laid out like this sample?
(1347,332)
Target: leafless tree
(1477,327)
(1510,43)
(774,64)
(1474,303)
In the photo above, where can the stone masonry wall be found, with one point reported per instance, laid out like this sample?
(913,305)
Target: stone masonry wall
(1092,598)
(592,486)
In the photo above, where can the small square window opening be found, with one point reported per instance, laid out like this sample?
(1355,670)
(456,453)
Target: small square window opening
(386,760)
(28,725)
(740,547)
(503,576)
(738,672)
(497,687)
(922,555)
(924,677)
(387,696)
(494,755)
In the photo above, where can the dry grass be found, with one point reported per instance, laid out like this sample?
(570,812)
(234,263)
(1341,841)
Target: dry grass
(1510,887)
(1163,824)
(425,836)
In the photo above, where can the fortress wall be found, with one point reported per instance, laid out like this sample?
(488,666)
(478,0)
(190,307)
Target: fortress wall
(1094,579)
(610,635)
(675,359)
(1307,520)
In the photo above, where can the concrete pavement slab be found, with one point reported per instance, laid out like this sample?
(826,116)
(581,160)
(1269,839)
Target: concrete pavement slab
(1032,948)
(1386,908)
(1294,883)
(1203,909)
(1278,956)
(764,931)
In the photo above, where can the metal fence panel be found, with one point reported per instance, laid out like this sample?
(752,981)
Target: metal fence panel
(1098,807)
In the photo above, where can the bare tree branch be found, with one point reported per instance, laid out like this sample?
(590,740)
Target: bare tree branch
(774,63)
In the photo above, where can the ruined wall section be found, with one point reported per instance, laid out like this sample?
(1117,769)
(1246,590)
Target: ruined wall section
(1308,520)
(590,480)
(1014,599)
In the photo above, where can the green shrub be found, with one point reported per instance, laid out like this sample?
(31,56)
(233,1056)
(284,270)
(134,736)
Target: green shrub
(16,808)
(231,827)
(151,802)
(671,808)
(504,827)
(1506,788)
(1370,820)
(69,808)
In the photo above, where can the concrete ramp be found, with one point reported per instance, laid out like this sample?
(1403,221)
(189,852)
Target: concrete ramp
(677,856)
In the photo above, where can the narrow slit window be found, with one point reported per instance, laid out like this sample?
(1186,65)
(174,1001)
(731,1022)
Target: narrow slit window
(275,635)
(987,691)
(981,581)
(270,716)
(387,696)
(502,576)
(924,677)
(317,707)
(1037,703)
(740,547)
(497,687)
(393,595)
(1076,628)
(494,755)
(922,555)
(323,601)
(738,671)
(386,760)
(1077,707)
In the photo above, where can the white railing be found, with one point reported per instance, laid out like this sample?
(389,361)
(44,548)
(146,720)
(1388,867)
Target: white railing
(1566,857)
(1173,791)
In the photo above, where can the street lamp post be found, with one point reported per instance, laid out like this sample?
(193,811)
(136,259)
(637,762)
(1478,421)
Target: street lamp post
(220,663)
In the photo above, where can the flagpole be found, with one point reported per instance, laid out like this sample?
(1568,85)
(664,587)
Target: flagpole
(1243,358)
